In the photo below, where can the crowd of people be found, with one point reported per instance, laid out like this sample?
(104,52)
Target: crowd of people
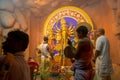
(13,65)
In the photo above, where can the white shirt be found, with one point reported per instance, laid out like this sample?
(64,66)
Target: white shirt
(103,62)
(43,49)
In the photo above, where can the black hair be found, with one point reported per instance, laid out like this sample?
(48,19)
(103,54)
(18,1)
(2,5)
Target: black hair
(102,31)
(82,29)
(16,41)
(45,38)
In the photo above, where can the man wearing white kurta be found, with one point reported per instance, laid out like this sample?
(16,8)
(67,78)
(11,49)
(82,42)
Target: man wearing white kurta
(45,63)
(104,67)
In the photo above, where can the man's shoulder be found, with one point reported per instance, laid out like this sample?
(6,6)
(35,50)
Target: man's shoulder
(102,38)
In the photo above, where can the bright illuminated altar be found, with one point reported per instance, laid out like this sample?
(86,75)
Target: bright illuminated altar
(60,26)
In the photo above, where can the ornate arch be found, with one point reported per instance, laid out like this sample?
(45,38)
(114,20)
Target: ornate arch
(61,23)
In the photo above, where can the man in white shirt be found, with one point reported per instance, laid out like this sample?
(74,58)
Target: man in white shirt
(45,63)
(102,56)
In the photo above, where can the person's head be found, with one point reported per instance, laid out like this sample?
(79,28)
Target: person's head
(100,31)
(45,39)
(16,41)
(82,31)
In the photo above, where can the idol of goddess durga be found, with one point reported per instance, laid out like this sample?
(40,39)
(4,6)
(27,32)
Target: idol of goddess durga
(59,36)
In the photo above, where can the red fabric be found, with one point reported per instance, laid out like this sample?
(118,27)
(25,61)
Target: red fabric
(33,64)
